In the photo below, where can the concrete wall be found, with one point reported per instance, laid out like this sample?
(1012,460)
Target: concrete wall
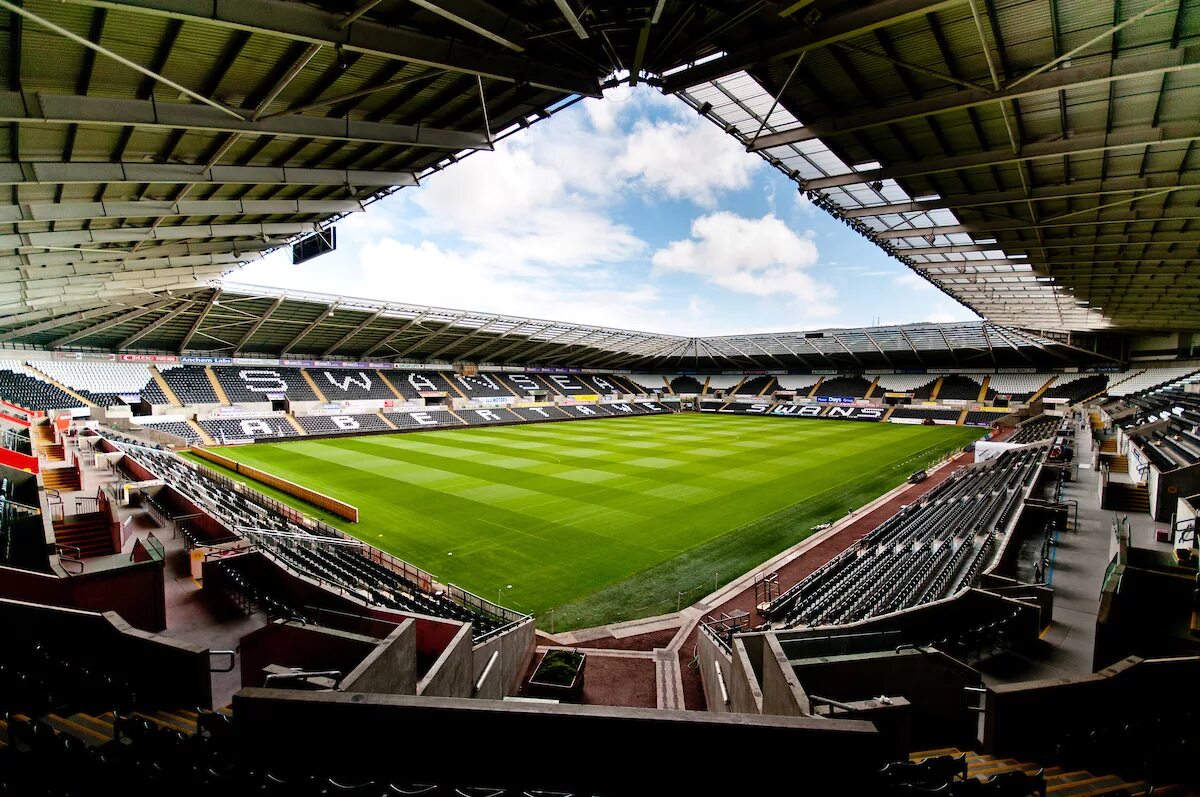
(135,592)
(781,690)
(451,674)
(563,745)
(166,672)
(1026,719)
(516,648)
(932,683)
(391,668)
(303,647)
(715,669)
(745,692)
(1171,487)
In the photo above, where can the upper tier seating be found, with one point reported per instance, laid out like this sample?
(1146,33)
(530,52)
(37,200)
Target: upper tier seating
(1019,387)
(103,383)
(607,384)
(177,428)
(801,383)
(1175,446)
(482,385)
(958,387)
(681,385)
(847,386)
(251,383)
(905,383)
(343,424)
(568,385)
(221,429)
(411,384)
(346,384)
(755,386)
(21,387)
(929,550)
(190,384)
(1076,388)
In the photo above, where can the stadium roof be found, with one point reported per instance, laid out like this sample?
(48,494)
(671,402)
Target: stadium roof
(1035,159)
(247,321)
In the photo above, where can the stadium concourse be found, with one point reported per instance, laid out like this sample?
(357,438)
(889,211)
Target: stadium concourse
(904,559)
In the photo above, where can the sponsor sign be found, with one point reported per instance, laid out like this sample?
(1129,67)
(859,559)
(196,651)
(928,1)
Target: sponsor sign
(206,360)
(493,401)
(836,399)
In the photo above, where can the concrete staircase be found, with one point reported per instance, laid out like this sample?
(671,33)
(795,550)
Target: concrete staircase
(90,532)
(1127,498)
(312,383)
(1059,781)
(164,387)
(983,389)
(62,479)
(222,396)
(199,430)
(937,388)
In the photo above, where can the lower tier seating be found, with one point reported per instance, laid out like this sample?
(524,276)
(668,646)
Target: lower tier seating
(1043,427)
(177,428)
(221,429)
(927,551)
(343,424)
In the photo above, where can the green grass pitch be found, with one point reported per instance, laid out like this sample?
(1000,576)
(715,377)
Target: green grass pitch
(599,521)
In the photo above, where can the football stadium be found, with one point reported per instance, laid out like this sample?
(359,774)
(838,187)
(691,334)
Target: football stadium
(257,538)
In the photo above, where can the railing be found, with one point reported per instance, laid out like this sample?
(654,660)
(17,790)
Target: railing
(232,654)
(85,504)
(155,547)
(301,675)
(69,554)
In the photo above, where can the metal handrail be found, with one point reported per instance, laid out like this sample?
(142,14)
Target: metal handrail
(232,654)
(301,675)
(76,559)
(831,702)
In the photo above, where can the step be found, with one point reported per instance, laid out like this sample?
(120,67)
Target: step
(1083,788)
(84,733)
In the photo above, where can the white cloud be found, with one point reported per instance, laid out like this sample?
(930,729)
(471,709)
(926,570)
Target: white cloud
(759,257)
(693,161)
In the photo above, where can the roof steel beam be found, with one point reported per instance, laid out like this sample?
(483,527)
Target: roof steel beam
(477,17)
(204,311)
(167,255)
(359,328)
(152,208)
(258,322)
(167,318)
(1079,145)
(305,23)
(1126,217)
(572,19)
(52,172)
(879,14)
(1049,193)
(1124,68)
(50,240)
(43,108)
(54,323)
(112,322)
(304,333)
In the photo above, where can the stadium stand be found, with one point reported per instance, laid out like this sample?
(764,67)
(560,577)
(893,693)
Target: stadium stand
(177,428)
(1148,380)
(525,384)
(103,384)
(845,386)
(1075,388)
(798,382)
(977,418)
(608,384)
(428,418)
(1018,387)
(756,386)
(960,388)
(247,383)
(482,385)
(241,428)
(320,553)
(906,383)
(483,417)
(411,384)
(547,413)
(927,412)
(190,384)
(344,384)
(1036,430)
(568,385)
(685,385)
(925,552)
(342,424)
(19,386)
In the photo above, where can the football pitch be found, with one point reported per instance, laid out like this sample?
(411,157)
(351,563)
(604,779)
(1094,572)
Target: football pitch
(590,522)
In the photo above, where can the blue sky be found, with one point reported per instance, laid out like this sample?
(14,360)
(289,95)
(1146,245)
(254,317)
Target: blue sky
(627,211)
